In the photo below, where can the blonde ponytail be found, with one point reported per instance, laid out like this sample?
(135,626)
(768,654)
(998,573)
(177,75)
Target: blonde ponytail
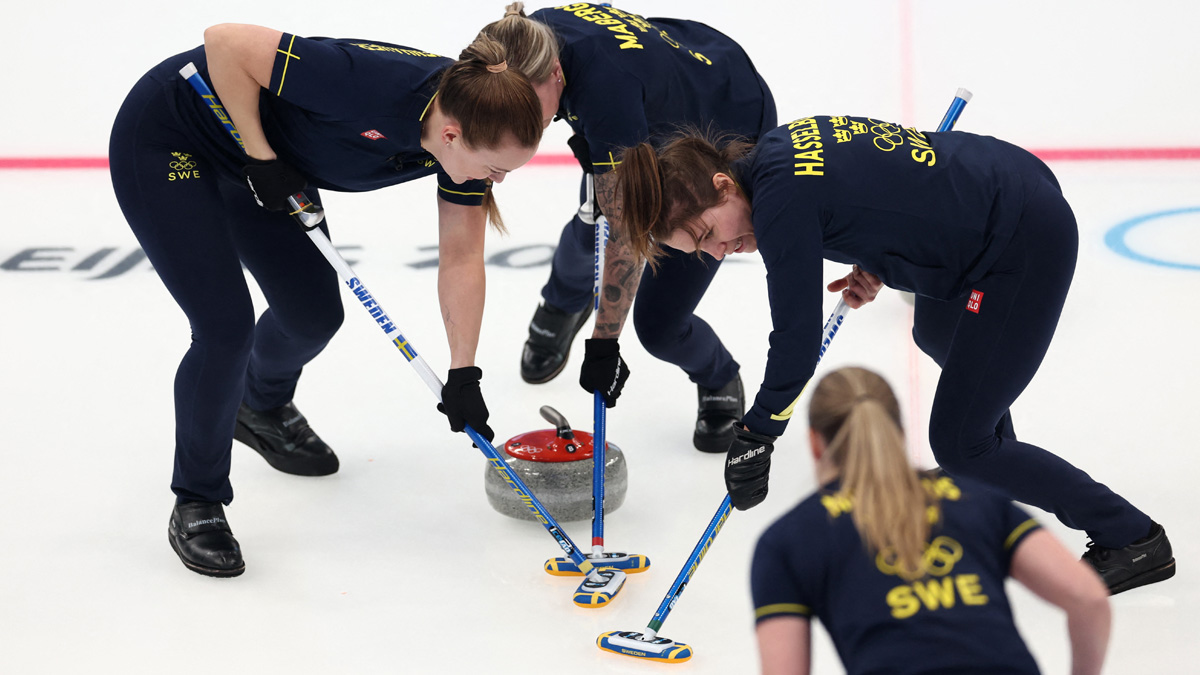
(857,415)
(532,46)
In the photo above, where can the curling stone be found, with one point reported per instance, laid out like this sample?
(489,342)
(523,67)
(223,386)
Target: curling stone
(556,465)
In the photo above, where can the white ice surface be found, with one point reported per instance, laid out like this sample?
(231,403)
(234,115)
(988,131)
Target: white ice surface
(397,563)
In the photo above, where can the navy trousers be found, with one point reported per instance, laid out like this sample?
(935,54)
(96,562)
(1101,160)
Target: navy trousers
(198,228)
(989,357)
(664,314)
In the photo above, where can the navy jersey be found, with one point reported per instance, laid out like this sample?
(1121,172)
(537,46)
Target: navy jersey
(628,79)
(954,619)
(346,113)
(926,212)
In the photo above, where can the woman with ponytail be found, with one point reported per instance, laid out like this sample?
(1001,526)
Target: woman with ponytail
(976,228)
(619,79)
(906,570)
(314,114)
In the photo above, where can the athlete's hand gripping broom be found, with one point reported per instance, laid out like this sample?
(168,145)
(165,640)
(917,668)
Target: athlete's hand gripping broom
(647,644)
(598,583)
(629,562)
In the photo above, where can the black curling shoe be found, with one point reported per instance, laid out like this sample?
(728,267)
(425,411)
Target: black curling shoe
(200,536)
(550,336)
(719,409)
(282,436)
(1145,561)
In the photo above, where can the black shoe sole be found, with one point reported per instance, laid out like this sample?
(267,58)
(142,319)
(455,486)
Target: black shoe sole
(710,444)
(1153,576)
(566,354)
(546,378)
(200,569)
(242,433)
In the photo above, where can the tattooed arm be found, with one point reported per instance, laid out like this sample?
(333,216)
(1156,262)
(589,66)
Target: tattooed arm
(621,273)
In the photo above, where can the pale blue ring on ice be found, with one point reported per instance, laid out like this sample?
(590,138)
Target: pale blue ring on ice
(1115,239)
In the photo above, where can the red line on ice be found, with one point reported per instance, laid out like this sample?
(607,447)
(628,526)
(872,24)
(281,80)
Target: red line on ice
(565,159)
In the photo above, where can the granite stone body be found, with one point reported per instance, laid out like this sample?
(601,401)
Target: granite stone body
(561,482)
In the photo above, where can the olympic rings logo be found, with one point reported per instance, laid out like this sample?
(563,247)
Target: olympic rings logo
(886,134)
(183,162)
(938,560)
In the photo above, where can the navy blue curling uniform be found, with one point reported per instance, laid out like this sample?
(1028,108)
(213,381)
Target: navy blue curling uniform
(347,114)
(954,619)
(978,229)
(628,80)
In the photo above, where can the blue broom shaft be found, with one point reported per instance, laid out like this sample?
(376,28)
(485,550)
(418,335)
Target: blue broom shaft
(831,327)
(335,259)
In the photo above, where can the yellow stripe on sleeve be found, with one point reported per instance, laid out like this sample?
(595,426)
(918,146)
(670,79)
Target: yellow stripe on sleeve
(465,194)
(612,161)
(1016,534)
(288,56)
(782,608)
(787,412)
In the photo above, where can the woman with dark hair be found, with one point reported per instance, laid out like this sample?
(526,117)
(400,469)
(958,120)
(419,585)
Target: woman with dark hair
(906,569)
(618,79)
(315,113)
(975,227)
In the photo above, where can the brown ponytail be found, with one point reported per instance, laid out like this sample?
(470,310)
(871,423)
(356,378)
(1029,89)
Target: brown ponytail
(639,190)
(531,45)
(492,104)
(490,101)
(856,414)
(664,190)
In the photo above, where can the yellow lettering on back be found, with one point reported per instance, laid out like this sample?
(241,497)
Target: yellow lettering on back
(629,42)
(933,513)
(902,602)
(936,593)
(837,504)
(970,590)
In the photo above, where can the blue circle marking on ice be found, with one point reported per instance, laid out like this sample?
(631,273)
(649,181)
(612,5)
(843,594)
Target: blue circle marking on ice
(1117,239)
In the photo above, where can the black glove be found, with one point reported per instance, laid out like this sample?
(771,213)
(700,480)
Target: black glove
(747,467)
(462,401)
(583,155)
(272,182)
(603,369)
